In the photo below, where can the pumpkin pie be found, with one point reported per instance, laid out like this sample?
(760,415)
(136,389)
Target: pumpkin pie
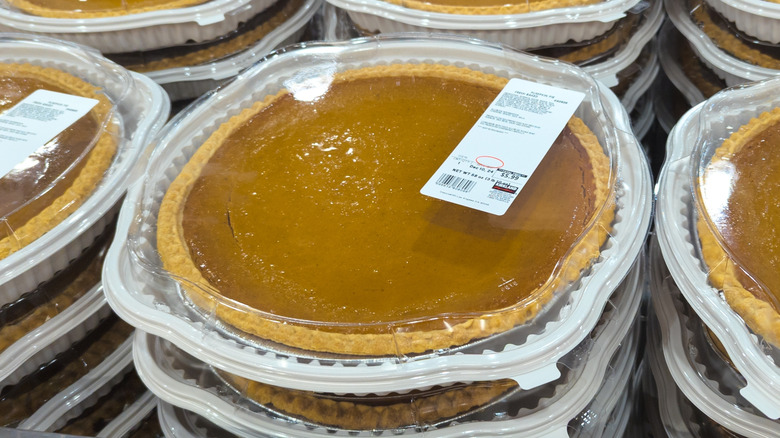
(739,189)
(54,181)
(372,412)
(96,8)
(245,36)
(489,7)
(300,221)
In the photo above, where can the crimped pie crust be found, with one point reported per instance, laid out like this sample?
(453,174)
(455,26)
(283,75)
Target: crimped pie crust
(43,11)
(423,408)
(520,7)
(97,161)
(759,315)
(177,261)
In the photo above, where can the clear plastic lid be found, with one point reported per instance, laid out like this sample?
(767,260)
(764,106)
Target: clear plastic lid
(735,58)
(701,371)
(593,376)
(61,134)
(702,179)
(39,318)
(425,234)
(60,194)
(44,387)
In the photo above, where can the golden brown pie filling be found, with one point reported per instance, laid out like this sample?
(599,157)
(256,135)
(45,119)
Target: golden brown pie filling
(96,8)
(59,176)
(311,209)
(739,189)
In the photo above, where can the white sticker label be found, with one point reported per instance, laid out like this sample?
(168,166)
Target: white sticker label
(494,160)
(35,120)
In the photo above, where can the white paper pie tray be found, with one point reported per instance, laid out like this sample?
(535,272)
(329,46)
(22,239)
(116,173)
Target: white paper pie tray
(734,71)
(192,82)
(142,106)
(678,243)
(595,383)
(143,31)
(522,31)
(141,298)
(686,360)
(759,18)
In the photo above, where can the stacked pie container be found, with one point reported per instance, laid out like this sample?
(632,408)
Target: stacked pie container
(189,50)
(568,369)
(724,369)
(736,39)
(60,340)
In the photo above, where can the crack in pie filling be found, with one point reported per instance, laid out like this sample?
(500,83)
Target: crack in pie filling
(58,177)
(96,8)
(300,220)
(739,190)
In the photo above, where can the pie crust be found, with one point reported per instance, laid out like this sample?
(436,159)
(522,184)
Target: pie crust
(416,409)
(94,166)
(68,8)
(496,8)
(175,253)
(761,316)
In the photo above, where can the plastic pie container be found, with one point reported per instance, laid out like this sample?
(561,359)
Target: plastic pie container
(141,31)
(758,18)
(527,30)
(698,368)
(136,110)
(692,141)
(193,81)
(144,295)
(729,67)
(582,400)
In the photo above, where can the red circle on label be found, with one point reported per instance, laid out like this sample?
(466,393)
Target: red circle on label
(490,162)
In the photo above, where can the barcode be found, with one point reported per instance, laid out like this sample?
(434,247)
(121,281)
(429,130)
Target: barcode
(455,182)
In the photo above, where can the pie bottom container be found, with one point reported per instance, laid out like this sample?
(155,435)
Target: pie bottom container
(731,69)
(700,370)
(582,400)
(144,31)
(668,103)
(757,18)
(756,360)
(190,82)
(643,116)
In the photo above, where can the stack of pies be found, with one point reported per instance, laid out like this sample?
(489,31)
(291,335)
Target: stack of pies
(728,48)
(291,221)
(729,281)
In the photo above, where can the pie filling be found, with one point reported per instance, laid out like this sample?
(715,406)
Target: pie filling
(745,211)
(312,209)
